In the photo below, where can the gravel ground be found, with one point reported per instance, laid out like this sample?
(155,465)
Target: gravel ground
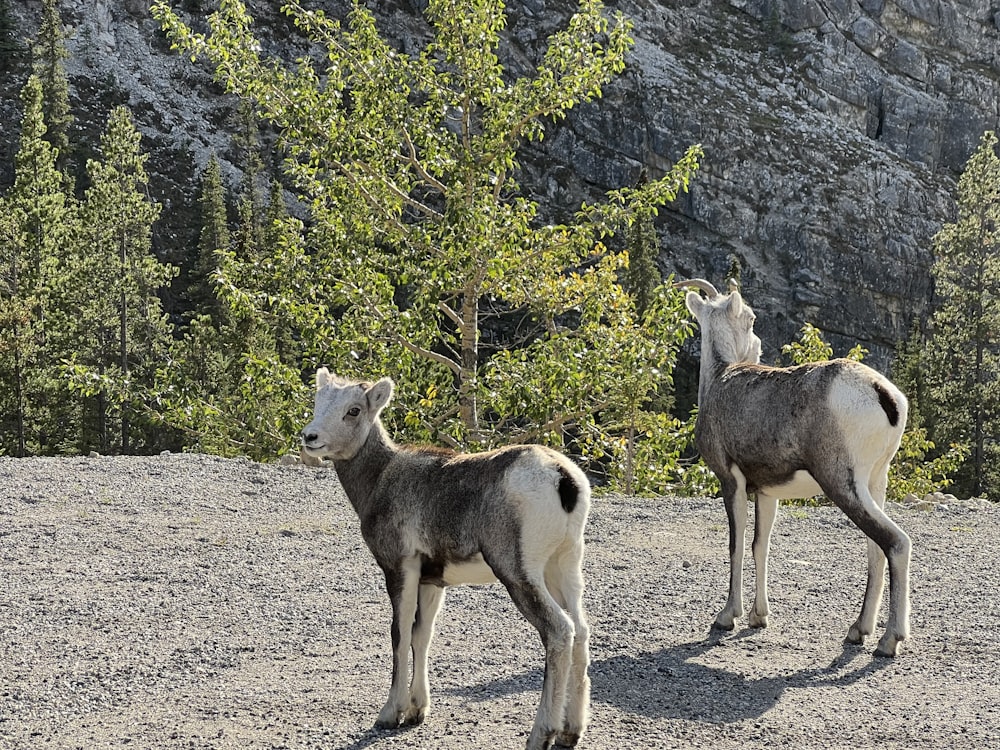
(186,601)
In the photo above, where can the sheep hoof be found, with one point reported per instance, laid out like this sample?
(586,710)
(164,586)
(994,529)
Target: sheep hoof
(540,739)
(854,636)
(415,716)
(888,647)
(723,626)
(567,739)
(390,718)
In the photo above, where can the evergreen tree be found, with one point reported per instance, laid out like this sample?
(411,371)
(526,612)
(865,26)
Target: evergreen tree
(213,240)
(39,220)
(420,239)
(49,54)
(642,276)
(908,373)
(272,232)
(962,361)
(246,139)
(222,369)
(645,415)
(15,332)
(114,319)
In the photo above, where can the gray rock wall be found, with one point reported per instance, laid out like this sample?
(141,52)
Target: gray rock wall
(833,133)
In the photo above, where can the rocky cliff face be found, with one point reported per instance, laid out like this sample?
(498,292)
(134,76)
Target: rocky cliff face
(833,132)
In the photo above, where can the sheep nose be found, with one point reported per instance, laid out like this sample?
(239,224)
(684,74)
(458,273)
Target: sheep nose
(308,437)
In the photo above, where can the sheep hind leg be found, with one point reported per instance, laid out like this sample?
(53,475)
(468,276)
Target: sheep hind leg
(865,624)
(430,598)
(734,492)
(887,541)
(556,629)
(766,508)
(898,628)
(898,554)
(564,580)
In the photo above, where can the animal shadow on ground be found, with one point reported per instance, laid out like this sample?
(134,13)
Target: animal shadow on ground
(373,735)
(671,684)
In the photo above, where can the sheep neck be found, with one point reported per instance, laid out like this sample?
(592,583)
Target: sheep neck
(712,367)
(360,475)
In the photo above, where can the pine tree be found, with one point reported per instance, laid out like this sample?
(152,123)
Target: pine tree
(246,139)
(643,275)
(39,220)
(15,326)
(908,372)
(49,54)
(116,325)
(213,241)
(962,363)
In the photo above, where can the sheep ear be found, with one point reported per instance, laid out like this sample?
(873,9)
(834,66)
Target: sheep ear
(380,394)
(323,378)
(695,304)
(735,305)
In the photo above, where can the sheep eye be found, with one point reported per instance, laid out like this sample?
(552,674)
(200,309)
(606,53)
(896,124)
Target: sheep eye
(354,411)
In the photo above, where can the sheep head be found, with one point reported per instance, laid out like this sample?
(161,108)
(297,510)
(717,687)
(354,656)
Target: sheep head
(344,414)
(726,322)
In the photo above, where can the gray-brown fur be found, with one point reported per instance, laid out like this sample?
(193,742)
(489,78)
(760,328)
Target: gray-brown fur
(434,518)
(830,427)
(748,412)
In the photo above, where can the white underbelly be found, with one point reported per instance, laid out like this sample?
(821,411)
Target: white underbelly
(801,485)
(473,571)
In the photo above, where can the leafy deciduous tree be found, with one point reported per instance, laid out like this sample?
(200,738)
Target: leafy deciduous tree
(812,348)
(423,257)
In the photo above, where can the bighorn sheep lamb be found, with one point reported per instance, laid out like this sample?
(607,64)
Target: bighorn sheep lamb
(434,518)
(791,432)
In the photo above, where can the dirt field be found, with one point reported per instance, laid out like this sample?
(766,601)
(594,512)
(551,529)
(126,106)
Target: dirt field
(191,602)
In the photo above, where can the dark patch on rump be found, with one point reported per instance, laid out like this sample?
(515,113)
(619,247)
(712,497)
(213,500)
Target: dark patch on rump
(888,403)
(569,492)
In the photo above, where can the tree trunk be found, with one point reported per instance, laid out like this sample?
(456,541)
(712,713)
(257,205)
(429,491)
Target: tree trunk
(629,479)
(19,393)
(468,377)
(18,384)
(977,448)
(123,338)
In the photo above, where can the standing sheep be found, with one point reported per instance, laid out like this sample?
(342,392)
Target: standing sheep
(434,518)
(791,432)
